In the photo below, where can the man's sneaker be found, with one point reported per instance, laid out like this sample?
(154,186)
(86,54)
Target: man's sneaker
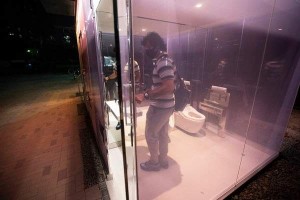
(149,166)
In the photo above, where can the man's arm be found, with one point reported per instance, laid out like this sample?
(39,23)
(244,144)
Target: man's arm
(167,87)
(113,75)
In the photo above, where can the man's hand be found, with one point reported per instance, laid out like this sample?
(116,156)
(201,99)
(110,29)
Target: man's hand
(166,87)
(139,98)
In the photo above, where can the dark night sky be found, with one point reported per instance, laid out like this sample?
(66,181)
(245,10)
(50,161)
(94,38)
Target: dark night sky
(30,35)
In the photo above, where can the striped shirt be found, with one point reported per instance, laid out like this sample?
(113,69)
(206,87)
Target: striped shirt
(164,69)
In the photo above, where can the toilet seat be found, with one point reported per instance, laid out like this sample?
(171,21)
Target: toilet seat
(191,113)
(189,119)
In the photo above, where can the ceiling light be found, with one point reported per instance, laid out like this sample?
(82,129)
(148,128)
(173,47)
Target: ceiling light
(143,29)
(199,5)
(280,29)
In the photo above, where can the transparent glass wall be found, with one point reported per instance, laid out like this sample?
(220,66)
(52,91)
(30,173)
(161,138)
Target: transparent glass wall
(277,77)
(239,59)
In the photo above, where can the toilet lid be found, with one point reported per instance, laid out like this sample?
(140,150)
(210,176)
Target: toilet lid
(192,114)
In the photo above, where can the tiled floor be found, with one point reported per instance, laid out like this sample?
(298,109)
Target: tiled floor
(40,153)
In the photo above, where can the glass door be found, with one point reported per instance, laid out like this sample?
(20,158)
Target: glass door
(110,64)
(113,25)
(129,84)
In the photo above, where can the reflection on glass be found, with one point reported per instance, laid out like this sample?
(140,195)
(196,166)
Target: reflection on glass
(110,77)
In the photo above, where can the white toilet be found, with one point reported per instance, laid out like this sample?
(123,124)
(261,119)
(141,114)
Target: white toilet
(189,120)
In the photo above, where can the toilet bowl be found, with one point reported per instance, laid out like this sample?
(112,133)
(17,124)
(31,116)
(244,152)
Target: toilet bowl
(189,120)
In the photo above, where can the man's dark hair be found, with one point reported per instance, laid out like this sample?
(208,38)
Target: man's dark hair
(155,40)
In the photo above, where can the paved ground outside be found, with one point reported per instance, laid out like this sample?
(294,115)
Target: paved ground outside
(42,136)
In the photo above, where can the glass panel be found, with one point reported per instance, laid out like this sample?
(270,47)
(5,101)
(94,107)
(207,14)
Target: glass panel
(231,64)
(203,157)
(117,185)
(277,71)
(130,74)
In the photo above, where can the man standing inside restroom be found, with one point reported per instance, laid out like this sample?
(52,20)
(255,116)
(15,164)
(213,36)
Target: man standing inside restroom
(161,97)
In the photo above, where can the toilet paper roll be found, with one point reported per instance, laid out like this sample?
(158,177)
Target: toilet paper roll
(219,89)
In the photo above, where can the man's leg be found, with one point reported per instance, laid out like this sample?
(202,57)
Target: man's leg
(109,88)
(157,119)
(151,133)
(164,140)
(163,145)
